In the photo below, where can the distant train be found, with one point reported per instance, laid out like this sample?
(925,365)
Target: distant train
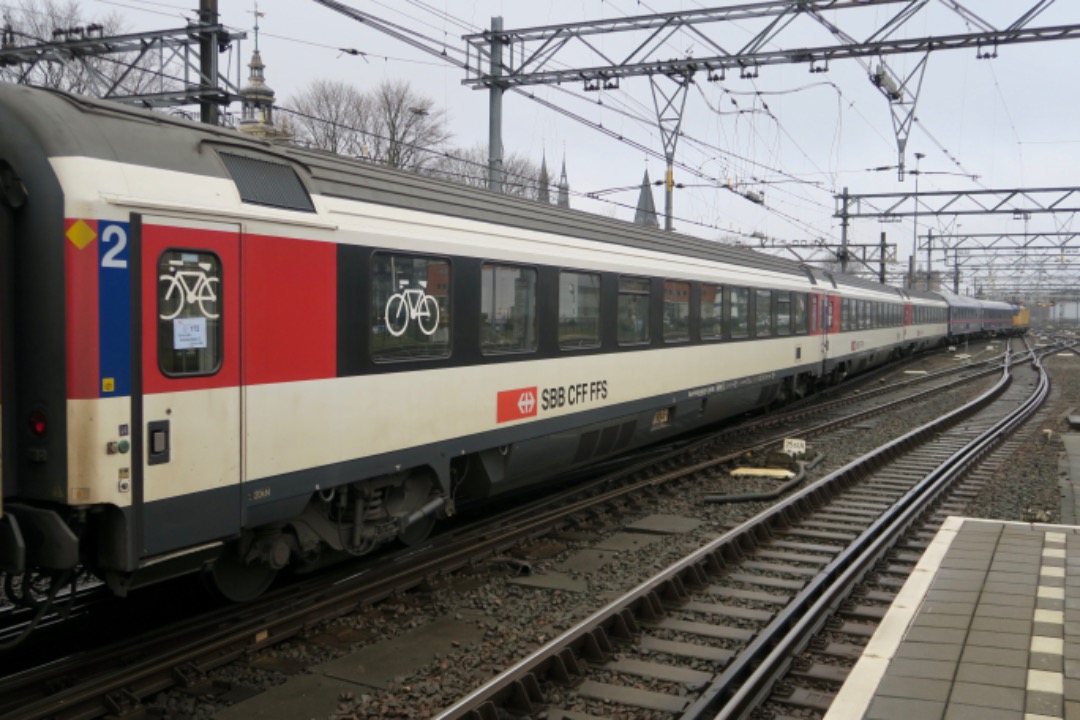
(229,356)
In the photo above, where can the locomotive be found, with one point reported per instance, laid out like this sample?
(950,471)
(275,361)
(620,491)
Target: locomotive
(227,356)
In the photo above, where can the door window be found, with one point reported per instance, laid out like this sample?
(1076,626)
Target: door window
(190,313)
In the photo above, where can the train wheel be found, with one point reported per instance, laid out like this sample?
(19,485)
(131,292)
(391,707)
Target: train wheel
(406,499)
(237,580)
(418,532)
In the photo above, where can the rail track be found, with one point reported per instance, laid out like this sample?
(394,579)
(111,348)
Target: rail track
(790,569)
(115,679)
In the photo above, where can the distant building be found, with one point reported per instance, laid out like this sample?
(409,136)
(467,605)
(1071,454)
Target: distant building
(257,98)
(646,208)
(543,191)
(564,188)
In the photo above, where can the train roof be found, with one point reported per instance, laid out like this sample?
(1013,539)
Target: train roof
(62,124)
(964,301)
(68,125)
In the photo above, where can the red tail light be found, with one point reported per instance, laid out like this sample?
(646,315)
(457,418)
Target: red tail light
(37,423)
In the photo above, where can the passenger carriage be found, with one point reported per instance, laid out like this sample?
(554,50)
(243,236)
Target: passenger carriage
(235,356)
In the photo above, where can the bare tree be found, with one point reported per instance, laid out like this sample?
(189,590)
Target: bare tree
(521,176)
(34,22)
(405,126)
(390,124)
(332,115)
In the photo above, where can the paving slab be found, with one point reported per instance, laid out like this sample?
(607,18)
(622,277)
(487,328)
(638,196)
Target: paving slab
(379,665)
(571,715)
(552,581)
(665,524)
(978,637)
(300,697)
(586,561)
(626,541)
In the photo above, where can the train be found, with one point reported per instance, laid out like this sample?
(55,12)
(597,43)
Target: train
(226,356)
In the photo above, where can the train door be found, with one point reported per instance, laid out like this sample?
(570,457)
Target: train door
(819,321)
(189,414)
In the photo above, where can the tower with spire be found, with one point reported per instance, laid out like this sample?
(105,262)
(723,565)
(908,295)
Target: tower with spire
(543,190)
(564,188)
(645,214)
(257,98)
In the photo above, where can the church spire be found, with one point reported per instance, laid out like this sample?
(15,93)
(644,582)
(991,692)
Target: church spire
(646,208)
(543,190)
(564,187)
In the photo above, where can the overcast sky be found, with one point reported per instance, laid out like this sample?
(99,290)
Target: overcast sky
(796,137)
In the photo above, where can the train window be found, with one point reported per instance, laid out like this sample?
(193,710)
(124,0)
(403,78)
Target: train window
(579,310)
(712,312)
(763,319)
(410,297)
(739,304)
(799,316)
(633,310)
(783,313)
(676,311)
(508,321)
(847,314)
(190,313)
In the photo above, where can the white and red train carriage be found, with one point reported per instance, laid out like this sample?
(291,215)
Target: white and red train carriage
(234,356)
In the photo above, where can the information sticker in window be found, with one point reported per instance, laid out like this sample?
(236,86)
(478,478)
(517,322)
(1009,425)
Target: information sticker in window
(189,333)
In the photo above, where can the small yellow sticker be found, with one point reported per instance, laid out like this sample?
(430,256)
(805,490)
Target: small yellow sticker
(80,234)
(107,385)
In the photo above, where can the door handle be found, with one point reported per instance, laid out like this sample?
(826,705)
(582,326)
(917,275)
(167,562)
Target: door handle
(157,442)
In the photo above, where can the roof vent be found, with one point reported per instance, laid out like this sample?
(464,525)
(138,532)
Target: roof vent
(262,182)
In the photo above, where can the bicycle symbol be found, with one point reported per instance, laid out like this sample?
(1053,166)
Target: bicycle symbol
(412,304)
(187,287)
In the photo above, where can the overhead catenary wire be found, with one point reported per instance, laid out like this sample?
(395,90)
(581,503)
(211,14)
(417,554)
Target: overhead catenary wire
(524,180)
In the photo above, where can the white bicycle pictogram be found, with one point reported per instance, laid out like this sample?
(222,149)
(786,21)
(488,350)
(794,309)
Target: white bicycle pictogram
(412,304)
(188,287)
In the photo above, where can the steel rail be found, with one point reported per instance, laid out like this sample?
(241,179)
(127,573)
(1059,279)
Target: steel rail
(752,674)
(517,687)
(224,636)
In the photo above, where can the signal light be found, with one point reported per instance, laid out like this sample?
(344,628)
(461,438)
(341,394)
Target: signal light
(37,423)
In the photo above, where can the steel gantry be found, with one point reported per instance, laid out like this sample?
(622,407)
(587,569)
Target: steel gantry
(161,68)
(539,55)
(1034,258)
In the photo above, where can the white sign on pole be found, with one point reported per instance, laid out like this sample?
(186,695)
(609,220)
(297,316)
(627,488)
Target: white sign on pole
(792,446)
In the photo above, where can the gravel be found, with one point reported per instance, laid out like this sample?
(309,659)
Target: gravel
(517,619)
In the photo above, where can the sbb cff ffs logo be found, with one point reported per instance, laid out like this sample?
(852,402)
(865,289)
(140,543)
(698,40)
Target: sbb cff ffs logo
(516,404)
(576,394)
(526,402)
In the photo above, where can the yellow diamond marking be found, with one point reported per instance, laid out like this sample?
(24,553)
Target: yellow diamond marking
(81,234)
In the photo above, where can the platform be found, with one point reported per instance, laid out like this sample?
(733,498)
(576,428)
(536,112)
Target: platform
(986,627)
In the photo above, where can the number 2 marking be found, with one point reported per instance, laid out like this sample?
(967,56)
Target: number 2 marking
(110,260)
